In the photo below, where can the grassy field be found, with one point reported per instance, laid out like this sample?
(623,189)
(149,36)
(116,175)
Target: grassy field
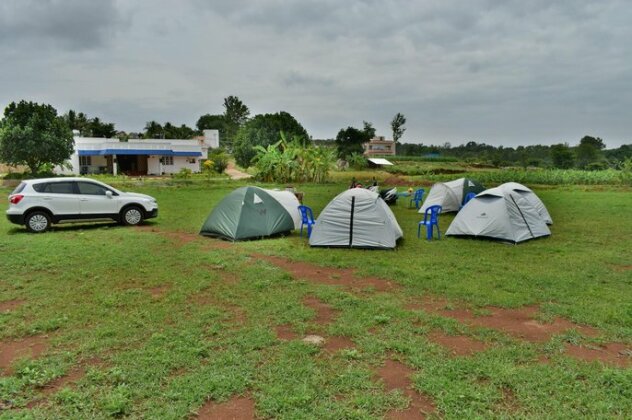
(157,322)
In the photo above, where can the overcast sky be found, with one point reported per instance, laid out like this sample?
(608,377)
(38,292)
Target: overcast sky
(504,72)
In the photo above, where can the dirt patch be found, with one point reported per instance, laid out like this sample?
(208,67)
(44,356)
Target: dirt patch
(518,322)
(509,400)
(285,332)
(215,243)
(324,312)
(158,291)
(329,276)
(458,345)
(235,173)
(414,306)
(74,375)
(396,375)
(446,171)
(617,354)
(10,351)
(336,343)
(183,238)
(622,267)
(396,181)
(230,278)
(10,305)
(237,408)
(180,238)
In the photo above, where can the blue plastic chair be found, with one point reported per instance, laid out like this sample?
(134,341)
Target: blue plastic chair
(467,198)
(417,198)
(431,218)
(307,219)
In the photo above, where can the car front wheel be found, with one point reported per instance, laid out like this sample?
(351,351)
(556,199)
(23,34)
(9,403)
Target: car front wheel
(132,216)
(37,222)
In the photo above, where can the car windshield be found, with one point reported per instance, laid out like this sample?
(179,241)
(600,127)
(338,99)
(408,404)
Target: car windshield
(19,188)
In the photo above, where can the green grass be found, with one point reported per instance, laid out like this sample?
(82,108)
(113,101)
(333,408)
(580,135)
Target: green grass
(210,334)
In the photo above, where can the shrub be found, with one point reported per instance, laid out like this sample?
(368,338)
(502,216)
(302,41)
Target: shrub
(184,173)
(219,159)
(292,162)
(626,171)
(357,161)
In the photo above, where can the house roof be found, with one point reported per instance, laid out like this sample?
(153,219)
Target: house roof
(380,161)
(148,152)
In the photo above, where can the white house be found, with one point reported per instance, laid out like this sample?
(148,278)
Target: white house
(140,157)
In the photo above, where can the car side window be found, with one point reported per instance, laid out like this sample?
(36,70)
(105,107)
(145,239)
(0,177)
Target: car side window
(19,188)
(91,189)
(59,188)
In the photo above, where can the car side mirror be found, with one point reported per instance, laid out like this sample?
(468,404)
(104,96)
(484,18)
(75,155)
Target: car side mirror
(108,194)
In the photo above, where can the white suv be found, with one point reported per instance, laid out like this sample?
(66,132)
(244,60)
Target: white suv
(37,203)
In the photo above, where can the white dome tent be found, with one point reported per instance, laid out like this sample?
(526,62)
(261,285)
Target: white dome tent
(450,195)
(531,197)
(356,218)
(506,213)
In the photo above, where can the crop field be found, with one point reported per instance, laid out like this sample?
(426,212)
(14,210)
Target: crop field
(101,321)
(435,171)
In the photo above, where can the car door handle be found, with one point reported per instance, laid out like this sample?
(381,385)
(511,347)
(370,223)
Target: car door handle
(48,198)
(83,199)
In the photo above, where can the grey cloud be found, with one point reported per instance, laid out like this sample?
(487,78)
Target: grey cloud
(302,80)
(69,24)
(509,71)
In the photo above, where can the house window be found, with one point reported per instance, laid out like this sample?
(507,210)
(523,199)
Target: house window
(167,160)
(192,161)
(85,160)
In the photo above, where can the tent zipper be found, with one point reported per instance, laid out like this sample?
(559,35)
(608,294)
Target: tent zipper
(351,222)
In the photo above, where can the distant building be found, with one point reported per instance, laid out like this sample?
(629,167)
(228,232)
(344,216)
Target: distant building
(379,146)
(139,157)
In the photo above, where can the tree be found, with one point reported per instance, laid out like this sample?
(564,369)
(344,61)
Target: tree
(398,126)
(368,129)
(235,116)
(349,141)
(77,121)
(89,127)
(153,130)
(562,156)
(589,151)
(264,130)
(32,134)
(101,129)
(171,131)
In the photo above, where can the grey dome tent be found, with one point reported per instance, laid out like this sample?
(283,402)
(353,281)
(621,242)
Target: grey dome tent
(502,213)
(356,218)
(532,198)
(450,195)
(252,212)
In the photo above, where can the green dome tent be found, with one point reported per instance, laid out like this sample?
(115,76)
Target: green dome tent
(252,212)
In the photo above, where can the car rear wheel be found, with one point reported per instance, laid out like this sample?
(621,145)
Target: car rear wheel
(132,216)
(37,222)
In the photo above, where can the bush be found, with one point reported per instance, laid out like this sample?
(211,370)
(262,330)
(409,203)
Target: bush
(626,171)
(219,159)
(597,166)
(357,161)
(28,175)
(185,173)
(292,162)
